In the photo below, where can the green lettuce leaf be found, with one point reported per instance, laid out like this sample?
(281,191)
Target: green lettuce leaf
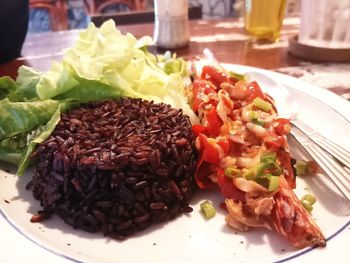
(58,80)
(27,81)
(90,90)
(11,149)
(8,89)
(21,117)
(41,135)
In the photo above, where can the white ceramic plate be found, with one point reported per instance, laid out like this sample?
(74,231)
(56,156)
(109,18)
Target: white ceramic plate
(190,238)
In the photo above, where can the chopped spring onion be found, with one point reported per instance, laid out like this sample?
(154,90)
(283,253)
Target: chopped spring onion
(232,172)
(274,182)
(300,167)
(258,122)
(310,198)
(268,156)
(235,75)
(254,171)
(308,201)
(208,209)
(261,169)
(253,115)
(269,181)
(305,167)
(261,104)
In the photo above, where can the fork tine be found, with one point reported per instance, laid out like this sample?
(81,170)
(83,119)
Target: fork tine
(336,172)
(338,152)
(332,148)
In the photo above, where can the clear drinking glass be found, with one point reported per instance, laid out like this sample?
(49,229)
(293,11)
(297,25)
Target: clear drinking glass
(325,23)
(263,18)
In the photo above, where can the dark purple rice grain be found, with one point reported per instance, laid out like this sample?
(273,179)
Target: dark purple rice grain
(116,167)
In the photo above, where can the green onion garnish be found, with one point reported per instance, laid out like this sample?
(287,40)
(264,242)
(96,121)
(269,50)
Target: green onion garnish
(261,104)
(274,182)
(208,209)
(268,156)
(308,201)
(232,172)
(300,167)
(236,75)
(258,122)
(253,115)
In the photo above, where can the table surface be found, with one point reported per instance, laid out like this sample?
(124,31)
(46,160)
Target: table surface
(226,38)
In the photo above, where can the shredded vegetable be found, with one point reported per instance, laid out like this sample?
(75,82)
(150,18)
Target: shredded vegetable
(208,209)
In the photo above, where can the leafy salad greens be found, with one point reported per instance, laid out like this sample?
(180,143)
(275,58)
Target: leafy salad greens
(103,64)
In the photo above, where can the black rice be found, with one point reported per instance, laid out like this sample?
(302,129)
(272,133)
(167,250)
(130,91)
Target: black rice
(117,167)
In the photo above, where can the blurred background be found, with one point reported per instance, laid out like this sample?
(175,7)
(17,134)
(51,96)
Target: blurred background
(55,15)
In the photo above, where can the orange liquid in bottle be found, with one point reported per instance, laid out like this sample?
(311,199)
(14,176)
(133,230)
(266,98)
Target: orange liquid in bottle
(263,18)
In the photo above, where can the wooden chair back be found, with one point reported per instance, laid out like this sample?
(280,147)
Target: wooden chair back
(57,10)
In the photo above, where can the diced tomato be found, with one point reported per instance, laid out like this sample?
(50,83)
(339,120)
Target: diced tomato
(209,151)
(225,145)
(254,91)
(196,94)
(202,174)
(214,75)
(283,126)
(198,129)
(228,189)
(274,142)
(237,105)
(200,88)
(214,122)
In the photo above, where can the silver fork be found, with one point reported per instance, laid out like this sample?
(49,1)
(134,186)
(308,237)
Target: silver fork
(335,150)
(338,169)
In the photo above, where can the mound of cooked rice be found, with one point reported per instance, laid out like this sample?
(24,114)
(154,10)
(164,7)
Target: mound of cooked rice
(117,166)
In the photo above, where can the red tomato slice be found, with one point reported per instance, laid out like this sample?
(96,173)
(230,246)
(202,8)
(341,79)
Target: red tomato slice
(274,142)
(214,75)
(228,189)
(283,126)
(199,89)
(254,91)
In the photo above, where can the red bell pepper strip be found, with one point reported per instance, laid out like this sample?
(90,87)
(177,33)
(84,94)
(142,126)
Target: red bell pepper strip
(214,122)
(202,174)
(198,129)
(210,152)
(225,145)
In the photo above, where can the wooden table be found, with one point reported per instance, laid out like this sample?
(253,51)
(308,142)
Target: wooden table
(226,38)
(40,49)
